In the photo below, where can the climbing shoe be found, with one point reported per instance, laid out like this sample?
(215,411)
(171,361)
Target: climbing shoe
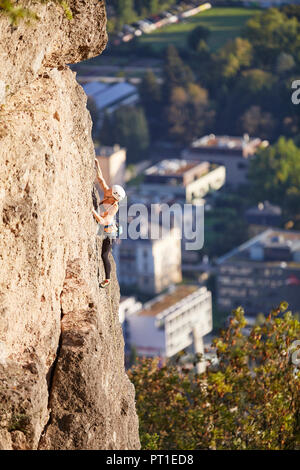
(105,283)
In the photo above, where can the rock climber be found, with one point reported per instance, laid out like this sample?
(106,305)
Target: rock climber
(110,204)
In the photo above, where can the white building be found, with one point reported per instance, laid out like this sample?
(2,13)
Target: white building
(150,265)
(188,218)
(190,180)
(234,153)
(172,322)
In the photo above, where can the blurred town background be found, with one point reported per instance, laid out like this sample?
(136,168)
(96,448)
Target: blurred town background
(191,103)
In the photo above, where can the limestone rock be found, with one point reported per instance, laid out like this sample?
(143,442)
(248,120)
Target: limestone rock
(51,41)
(62,378)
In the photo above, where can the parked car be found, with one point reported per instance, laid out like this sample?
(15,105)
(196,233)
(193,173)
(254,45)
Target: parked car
(128,37)
(146,26)
(137,32)
(171,17)
(128,29)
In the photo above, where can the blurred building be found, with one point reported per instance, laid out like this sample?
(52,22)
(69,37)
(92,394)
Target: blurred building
(261,273)
(150,265)
(234,153)
(262,216)
(195,9)
(108,97)
(189,217)
(128,305)
(269,3)
(189,180)
(172,322)
(113,163)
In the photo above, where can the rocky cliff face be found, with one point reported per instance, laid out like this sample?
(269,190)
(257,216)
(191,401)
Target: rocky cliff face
(62,378)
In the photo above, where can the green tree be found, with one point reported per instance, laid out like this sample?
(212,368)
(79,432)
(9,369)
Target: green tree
(153,6)
(255,81)
(106,135)
(275,174)
(291,11)
(234,56)
(285,63)
(124,11)
(150,96)
(271,33)
(197,36)
(257,122)
(175,73)
(150,92)
(189,113)
(128,128)
(249,400)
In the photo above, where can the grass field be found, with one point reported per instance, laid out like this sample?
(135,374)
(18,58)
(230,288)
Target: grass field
(224,24)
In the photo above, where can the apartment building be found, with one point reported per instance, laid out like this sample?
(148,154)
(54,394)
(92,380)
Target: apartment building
(172,322)
(112,162)
(234,153)
(186,179)
(150,265)
(189,219)
(261,273)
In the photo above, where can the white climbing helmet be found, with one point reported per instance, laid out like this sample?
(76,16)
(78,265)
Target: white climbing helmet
(118,192)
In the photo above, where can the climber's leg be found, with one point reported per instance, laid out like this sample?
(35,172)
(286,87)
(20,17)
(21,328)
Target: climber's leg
(106,248)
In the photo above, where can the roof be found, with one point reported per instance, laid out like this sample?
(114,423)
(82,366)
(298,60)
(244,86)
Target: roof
(92,88)
(270,238)
(226,141)
(114,93)
(106,151)
(106,95)
(175,167)
(163,302)
(225,145)
(264,208)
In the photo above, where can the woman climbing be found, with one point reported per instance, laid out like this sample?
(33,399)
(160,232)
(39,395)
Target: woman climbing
(110,203)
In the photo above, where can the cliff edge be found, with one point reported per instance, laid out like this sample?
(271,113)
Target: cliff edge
(62,378)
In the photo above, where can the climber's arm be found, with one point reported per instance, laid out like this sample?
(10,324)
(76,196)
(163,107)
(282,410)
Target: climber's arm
(106,217)
(104,186)
(98,217)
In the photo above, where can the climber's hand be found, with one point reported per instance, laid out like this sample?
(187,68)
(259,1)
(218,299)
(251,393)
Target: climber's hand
(98,168)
